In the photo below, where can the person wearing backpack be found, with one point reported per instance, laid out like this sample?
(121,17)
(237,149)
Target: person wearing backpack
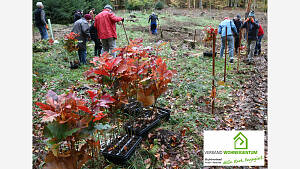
(231,29)
(94,37)
(40,20)
(82,28)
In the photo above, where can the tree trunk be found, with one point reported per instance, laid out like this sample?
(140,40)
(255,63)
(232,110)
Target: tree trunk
(248,8)
(200,4)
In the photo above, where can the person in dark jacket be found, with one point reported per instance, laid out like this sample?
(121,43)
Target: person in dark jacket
(40,20)
(251,27)
(238,23)
(94,37)
(77,15)
(82,28)
(260,35)
(153,24)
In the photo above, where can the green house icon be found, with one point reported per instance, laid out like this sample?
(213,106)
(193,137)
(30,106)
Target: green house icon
(240,141)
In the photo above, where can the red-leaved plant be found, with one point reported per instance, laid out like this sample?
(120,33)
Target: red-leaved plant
(68,120)
(136,71)
(209,33)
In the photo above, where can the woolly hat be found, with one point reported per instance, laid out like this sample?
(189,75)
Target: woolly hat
(108,7)
(251,14)
(39,4)
(88,17)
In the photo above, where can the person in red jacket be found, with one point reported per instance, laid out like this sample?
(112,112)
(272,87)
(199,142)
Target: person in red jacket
(260,35)
(105,23)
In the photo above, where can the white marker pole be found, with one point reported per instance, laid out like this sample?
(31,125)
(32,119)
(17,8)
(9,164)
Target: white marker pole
(49,22)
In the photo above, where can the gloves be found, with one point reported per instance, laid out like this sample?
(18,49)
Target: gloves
(47,27)
(252,20)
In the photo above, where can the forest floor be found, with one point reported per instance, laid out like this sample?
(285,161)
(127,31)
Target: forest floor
(241,103)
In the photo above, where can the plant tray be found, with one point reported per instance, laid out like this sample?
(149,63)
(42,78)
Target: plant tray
(139,131)
(121,149)
(164,113)
(209,54)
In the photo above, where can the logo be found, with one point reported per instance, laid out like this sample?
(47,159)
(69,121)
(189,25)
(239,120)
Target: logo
(233,148)
(240,141)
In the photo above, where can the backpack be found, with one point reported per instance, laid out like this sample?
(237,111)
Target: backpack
(93,32)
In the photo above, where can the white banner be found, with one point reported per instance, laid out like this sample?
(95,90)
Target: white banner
(233,148)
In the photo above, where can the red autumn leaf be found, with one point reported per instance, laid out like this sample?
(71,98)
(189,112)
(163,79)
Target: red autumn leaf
(92,94)
(107,99)
(43,106)
(122,68)
(183,132)
(99,116)
(85,109)
(101,72)
(49,116)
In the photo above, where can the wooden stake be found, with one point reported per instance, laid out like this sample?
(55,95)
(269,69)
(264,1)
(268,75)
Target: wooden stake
(225,55)
(125,33)
(213,73)
(239,48)
(195,36)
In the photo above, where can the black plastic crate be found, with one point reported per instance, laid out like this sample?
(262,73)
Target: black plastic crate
(164,113)
(121,153)
(141,131)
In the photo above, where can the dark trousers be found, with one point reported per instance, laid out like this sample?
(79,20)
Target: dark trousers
(82,56)
(258,45)
(236,43)
(153,28)
(98,47)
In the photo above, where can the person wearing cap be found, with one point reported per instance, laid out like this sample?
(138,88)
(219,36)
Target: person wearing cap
(238,23)
(40,20)
(231,29)
(153,24)
(81,27)
(260,35)
(251,27)
(105,23)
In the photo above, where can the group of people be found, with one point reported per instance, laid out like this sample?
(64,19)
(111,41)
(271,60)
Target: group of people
(101,28)
(102,31)
(253,34)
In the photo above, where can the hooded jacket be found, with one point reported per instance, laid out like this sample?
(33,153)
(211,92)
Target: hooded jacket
(230,27)
(81,27)
(105,23)
(252,28)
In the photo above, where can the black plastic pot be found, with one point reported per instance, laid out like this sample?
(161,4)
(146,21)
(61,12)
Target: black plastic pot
(121,149)
(209,54)
(164,113)
(141,131)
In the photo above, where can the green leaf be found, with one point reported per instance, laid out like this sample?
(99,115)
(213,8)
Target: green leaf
(58,131)
(100,126)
